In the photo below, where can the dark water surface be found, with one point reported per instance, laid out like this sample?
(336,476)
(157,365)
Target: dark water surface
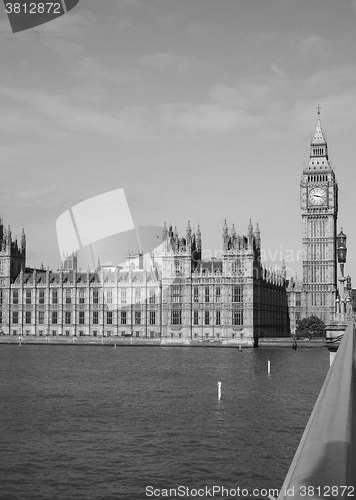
(83,423)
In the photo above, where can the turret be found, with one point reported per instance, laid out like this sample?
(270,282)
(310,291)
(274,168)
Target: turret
(1,232)
(225,236)
(23,241)
(250,233)
(164,232)
(189,232)
(8,237)
(198,238)
(258,236)
(284,270)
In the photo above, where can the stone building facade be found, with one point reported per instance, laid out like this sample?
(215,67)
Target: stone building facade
(172,294)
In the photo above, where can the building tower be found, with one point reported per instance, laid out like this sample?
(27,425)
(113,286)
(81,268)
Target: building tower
(12,255)
(319,205)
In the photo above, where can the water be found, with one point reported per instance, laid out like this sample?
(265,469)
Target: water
(81,423)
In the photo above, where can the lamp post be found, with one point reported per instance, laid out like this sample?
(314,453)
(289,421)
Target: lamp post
(341,257)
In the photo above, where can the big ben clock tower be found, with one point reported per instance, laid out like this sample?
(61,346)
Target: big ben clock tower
(319,205)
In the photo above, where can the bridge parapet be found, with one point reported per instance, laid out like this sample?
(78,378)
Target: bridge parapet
(326,455)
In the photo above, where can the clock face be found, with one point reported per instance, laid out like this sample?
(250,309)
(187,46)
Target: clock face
(317,196)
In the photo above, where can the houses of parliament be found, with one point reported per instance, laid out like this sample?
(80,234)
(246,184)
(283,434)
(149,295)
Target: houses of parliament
(177,296)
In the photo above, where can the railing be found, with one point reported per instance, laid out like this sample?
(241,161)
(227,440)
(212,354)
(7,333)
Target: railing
(324,465)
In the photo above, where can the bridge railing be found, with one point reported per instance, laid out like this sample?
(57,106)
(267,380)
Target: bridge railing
(324,465)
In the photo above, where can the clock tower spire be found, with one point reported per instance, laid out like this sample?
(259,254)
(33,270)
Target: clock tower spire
(319,205)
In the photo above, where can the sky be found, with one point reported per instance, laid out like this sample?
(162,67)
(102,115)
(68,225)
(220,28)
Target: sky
(201,110)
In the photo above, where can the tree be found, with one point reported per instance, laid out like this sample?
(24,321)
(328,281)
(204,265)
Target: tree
(310,327)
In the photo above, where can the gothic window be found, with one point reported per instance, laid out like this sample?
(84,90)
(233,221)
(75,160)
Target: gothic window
(68,296)
(109,317)
(218,318)
(137,317)
(236,266)
(109,296)
(218,294)
(55,296)
(123,318)
(41,296)
(176,293)
(137,295)
(15,317)
(81,318)
(206,318)
(237,293)
(207,294)
(152,298)
(95,295)
(28,296)
(237,318)
(15,296)
(95,317)
(54,317)
(152,317)
(41,317)
(68,317)
(28,317)
(177,266)
(196,317)
(176,317)
(196,294)
(123,296)
(81,295)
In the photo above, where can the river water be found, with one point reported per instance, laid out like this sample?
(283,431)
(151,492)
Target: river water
(130,423)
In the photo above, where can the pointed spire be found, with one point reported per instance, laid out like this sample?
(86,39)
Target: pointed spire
(189,230)
(164,232)
(198,237)
(225,229)
(258,235)
(284,269)
(23,240)
(318,135)
(319,157)
(250,228)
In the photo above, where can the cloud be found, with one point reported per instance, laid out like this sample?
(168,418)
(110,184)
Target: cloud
(49,113)
(36,193)
(260,102)
(209,117)
(183,64)
(313,45)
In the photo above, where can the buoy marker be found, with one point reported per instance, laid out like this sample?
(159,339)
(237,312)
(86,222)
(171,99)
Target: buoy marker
(219,391)
(268,366)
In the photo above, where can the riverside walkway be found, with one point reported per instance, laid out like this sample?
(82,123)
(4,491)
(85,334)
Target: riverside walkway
(324,465)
